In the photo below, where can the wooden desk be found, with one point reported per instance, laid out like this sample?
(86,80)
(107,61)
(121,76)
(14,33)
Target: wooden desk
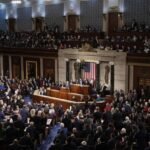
(54,93)
(64,94)
(67,103)
(85,89)
(80,89)
(75,88)
(48,100)
(75,97)
(64,89)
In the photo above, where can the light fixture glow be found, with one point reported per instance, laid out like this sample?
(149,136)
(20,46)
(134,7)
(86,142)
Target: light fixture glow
(2,6)
(16,1)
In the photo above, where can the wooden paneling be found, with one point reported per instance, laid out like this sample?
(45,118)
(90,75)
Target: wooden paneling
(49,68)
(64,89)
(11,24)
(53,93)
(30,59)
(72,22)
(38,24)
(64,94)
(138,58)
(16,67)
(67,103)
(29,51)
(141,76)
(112,22)
(75,97)
(6,65)
(76,88)
(130,34)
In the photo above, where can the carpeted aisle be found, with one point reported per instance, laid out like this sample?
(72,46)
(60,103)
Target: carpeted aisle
(27,100)
(46,144)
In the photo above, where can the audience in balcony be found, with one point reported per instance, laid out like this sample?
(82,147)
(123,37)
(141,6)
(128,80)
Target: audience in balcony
(53,39)
(126,43)
(49,38)
(134,26)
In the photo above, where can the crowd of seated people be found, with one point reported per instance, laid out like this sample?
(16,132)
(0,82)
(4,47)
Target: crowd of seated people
(49,39)
(123,124)
(88,28)
(54,39)
(132,38)
(23,125)
(29,40)
(130,44)
(84,29)
(134,26)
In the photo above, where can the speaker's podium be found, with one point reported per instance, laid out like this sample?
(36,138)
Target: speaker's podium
(80,89)
(66,103)
(64,92)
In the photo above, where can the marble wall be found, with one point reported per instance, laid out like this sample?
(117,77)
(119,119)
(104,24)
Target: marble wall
(138,10)
(91,14)
(102,72)
(24,21)
(3,25)
(118,59)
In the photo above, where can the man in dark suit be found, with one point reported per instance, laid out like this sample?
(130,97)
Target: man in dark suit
(16,146)
(83,146)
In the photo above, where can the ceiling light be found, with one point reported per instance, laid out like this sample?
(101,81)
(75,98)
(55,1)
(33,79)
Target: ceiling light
(16,1)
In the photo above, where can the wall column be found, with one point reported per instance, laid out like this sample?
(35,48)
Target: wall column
(105,15)
(10,67)
(22,68)
(112,70)
(120,71)
(98,72)
(127,78)
(41,67)
(33,24)
(56,70)
(131,73)
(67,69)
(1,65)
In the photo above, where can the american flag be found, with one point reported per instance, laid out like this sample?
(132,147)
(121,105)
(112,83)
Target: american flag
(89,70)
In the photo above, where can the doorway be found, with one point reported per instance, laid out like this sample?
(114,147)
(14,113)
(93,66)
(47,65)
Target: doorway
(11,24)
(31,69)
(112,22)
(72,22)
(38,24)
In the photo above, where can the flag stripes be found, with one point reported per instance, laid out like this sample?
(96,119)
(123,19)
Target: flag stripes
(91,73)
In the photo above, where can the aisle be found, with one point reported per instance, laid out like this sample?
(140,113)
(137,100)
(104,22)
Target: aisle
(27,99)
(46,144)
